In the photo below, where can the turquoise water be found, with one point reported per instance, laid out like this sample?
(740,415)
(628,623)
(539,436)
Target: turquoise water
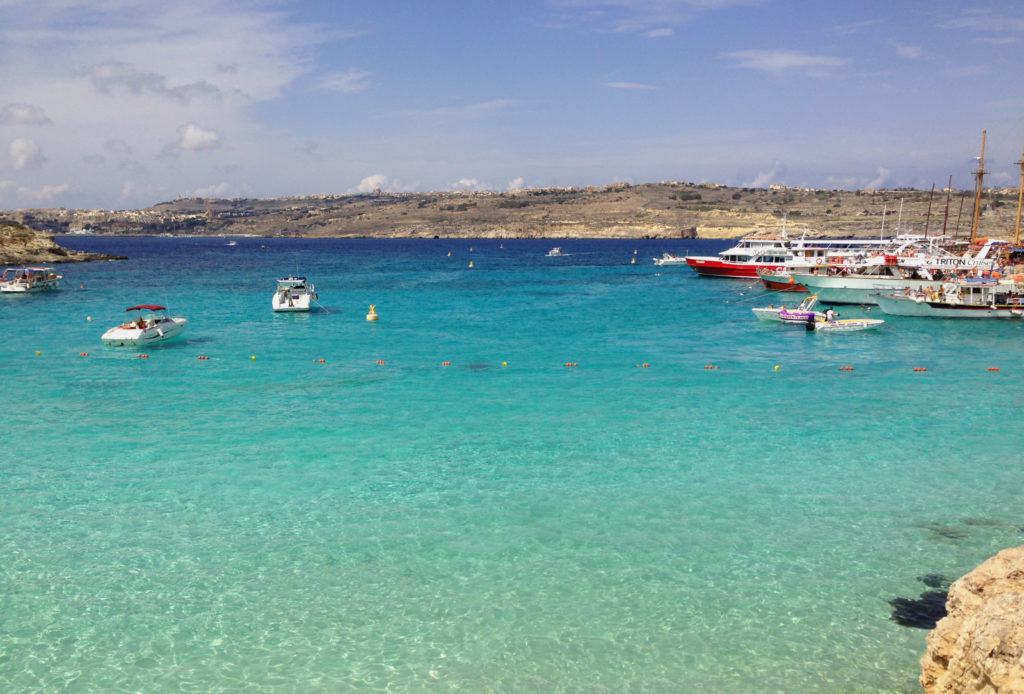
(264,522)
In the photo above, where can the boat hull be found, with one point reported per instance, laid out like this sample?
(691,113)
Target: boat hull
(858,290)
(923,308)
(708,266)
(291,304)
(847,325)
(163,331)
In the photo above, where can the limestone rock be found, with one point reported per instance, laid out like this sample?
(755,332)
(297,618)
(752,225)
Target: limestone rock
(21,245)
(979,646)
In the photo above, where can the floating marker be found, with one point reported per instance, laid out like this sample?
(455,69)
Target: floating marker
(372,315)
(776,367)
(446,363)
(504,363)
(993,368)
(253,357)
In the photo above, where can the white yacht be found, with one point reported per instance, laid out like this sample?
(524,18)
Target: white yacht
(293,294)
(150,325)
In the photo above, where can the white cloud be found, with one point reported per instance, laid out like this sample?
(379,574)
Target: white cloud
(23,114)
(25,154)
(219,190)
(467,184)
(780,61)
(372,183)
(480,109)
(906,51)
(348,82)
(662,33)
(628,85)
(767,178)
(516,184)
(194,138)
(879,181)
(44,193)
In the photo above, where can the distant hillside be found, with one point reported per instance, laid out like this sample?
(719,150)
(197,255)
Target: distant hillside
(655,210)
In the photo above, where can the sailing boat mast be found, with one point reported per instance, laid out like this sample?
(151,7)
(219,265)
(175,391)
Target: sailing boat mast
(928,217)
(980,175)
(1020,199)
(945,216)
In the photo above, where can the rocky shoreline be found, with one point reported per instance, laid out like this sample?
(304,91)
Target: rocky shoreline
(22,245)
(979,645)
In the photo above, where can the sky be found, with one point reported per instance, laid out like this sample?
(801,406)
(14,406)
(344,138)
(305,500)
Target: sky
(121,104)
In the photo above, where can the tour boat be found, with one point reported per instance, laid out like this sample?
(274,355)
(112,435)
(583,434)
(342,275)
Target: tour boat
(293,294)
(150,325)
(29,279)
(913,266)
(782,253)
(961,299)
(556,251)
(771,313)
(669,259)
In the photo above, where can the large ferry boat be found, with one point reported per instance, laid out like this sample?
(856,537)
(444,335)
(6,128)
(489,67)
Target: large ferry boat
(781,253)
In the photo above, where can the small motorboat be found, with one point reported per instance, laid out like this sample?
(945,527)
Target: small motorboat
(293,294)
(556,251)
(24,280)
(150,325)
(798,314)
(845,325)
(669,259)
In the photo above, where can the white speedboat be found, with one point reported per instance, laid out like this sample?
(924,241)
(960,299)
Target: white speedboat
(23,280)
(669,259)
(556,251)
(150,325)
(846,325)
(773,313)
(293,294)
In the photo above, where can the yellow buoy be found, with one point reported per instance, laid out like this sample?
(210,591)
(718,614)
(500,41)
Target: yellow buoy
(253,357)
(372,315)
(504,363)
(776,367)
(471,263)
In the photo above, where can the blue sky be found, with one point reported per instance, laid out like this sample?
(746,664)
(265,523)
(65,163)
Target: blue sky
(122,104)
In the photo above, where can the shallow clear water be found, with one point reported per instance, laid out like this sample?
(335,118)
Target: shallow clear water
(262,521)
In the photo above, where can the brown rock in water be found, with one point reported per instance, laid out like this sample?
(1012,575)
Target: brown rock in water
(22,245)
(979,646)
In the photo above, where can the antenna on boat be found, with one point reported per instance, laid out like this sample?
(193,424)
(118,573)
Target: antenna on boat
(881,234)
(945,217)
(980,175)
(1020,199)
(899,219)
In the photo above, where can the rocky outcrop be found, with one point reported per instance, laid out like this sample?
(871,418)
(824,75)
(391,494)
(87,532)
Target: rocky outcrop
(20,245)
(979,646)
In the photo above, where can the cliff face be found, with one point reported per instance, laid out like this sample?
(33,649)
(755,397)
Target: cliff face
(20,245)
(979,646)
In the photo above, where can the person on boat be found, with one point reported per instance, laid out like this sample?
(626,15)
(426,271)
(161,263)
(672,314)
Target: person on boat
(830,315)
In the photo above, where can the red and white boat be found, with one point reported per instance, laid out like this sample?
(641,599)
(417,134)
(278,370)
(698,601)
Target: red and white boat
(781,254)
